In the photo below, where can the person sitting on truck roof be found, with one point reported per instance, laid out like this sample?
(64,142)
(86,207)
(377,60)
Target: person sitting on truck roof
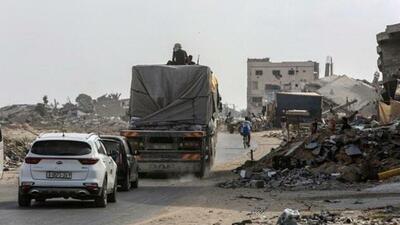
(190,60)
(179,57)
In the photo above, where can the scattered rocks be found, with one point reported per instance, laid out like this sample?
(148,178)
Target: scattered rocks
(244,222)
(257,184)
(289,217)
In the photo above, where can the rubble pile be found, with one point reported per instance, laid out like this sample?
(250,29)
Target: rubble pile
(15,150)
(325,159)
(19,114)
(387,215)
(274,134)
(22,123)
(326,217)
(84,124)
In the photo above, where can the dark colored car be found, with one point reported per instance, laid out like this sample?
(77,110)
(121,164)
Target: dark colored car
(124,156)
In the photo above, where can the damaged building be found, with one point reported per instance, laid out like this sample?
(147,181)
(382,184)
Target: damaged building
(389,64)
(346,94)
(389,52)
(265,78)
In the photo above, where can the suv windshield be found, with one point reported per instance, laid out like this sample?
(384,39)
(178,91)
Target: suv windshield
(61,148)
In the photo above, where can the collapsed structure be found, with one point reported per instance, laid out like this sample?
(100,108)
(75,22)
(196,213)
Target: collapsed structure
(346,95)
(389,64)
(389,52)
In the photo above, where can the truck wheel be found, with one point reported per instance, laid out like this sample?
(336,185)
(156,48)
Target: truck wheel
(126,183)
(135,184)
(24,200)
(101,201)
(205,168)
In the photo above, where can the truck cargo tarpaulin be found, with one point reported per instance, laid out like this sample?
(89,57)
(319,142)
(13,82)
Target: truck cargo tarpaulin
(169,95)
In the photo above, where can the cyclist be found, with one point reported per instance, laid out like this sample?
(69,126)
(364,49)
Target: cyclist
(245,129)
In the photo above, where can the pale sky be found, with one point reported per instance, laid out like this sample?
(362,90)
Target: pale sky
(65,47)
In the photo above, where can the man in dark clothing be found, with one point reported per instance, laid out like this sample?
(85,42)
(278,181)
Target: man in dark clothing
(345,125)
(179,57)
(190,60)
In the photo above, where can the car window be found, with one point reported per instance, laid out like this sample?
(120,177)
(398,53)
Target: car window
(111,146)
(100,148)
(57,147)
(130,149)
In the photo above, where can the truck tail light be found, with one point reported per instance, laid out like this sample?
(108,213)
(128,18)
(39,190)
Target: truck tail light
(88,161)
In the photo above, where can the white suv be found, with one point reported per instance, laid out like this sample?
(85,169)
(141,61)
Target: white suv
(67,165)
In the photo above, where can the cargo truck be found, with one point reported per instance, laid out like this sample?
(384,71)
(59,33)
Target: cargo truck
(173,118)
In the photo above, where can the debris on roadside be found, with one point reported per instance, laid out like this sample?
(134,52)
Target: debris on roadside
(250,197)
(22,123)
(325,159)
(288,217)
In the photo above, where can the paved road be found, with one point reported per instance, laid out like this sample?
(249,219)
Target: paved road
(143,203)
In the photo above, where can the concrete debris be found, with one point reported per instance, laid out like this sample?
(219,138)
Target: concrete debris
(352,150)
(86,116)
(15,150)
(257,184)
(288,217)
(326,159)
(339,90)
(250,197)
(106,106)
(324,217)
(381,216)
(283,179)
(244,222)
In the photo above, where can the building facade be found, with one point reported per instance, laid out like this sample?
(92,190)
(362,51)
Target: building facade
(265,78)
(389,52)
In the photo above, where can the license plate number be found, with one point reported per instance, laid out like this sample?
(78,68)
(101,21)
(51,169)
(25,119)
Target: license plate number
(161,166)
(58,175)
